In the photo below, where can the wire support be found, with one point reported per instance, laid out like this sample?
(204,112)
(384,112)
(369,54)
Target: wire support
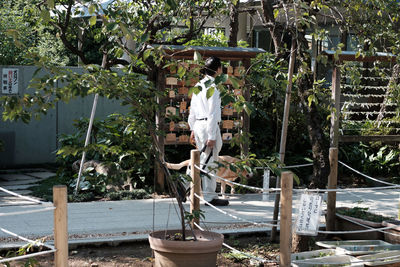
(359,87)
(369,112)
(241,252)
(21,196)
(348,103)
(33,242)
(233,216)
(290,167)
(366,176)
(357,122)
(364,95)
(368,78)
(26,212)
(28,256)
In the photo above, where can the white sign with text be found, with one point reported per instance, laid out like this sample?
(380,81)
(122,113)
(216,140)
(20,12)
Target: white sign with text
(309,211)
(9,81)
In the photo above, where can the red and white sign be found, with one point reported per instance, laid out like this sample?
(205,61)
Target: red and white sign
(9,83)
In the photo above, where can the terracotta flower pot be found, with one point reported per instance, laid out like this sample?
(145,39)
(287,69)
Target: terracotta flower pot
(171,253)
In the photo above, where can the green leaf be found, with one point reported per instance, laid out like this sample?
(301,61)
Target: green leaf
(196,57)
(221,78)
(45,15)
(195,90)
(125,30)
(276,13)
(172,4)
(92,20)
(146,54)
(112,26)
(210,92)
(234,81)
(50,4)
(92,9)
(181,72)
(144,38)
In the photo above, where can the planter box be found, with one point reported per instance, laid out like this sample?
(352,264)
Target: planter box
(392,235)
(335,260)
(335,244)
(321,258)
(390,258)
(364,250)
(344,225)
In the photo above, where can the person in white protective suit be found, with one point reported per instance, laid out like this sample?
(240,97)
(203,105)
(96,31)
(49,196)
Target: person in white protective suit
(204,119)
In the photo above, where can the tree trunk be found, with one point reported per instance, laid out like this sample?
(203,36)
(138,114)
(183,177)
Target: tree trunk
(233,23)
(319,142)
(315,121)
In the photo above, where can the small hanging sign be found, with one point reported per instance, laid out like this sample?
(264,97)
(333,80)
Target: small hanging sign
(171,81)
(9,83)
(307,222)
(266,178)
(227,136)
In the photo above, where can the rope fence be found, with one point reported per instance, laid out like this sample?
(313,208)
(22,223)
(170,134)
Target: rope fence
(210,173)
(23,197)
(60,227)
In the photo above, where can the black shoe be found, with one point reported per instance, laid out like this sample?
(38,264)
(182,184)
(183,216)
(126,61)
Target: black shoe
(218,202)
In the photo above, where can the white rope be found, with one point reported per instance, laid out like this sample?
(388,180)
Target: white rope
(28,256)
(240,252)
(370,229)
(233,216)
(26,212)
(35,243)
(366,176)
(21,196)
(301,190)
(366,226)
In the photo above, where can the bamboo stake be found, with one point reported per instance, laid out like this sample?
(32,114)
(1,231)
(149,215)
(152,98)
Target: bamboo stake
(195,185)
(96,98)
(282,148)
(60,225)
(286,219)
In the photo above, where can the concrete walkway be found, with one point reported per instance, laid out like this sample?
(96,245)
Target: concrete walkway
(116,221)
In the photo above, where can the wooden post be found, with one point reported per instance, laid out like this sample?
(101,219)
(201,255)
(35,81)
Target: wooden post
(286,219)
(335,114)
(195,185)
(332,184)
(60,225)
(159,173)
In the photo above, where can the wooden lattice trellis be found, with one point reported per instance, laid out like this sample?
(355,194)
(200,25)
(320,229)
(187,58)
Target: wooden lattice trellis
(363,99)
(178,101)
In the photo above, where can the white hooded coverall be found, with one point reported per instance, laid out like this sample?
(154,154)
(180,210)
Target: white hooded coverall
(204,119)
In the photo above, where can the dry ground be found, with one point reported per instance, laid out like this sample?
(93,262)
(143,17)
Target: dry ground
(139,254)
